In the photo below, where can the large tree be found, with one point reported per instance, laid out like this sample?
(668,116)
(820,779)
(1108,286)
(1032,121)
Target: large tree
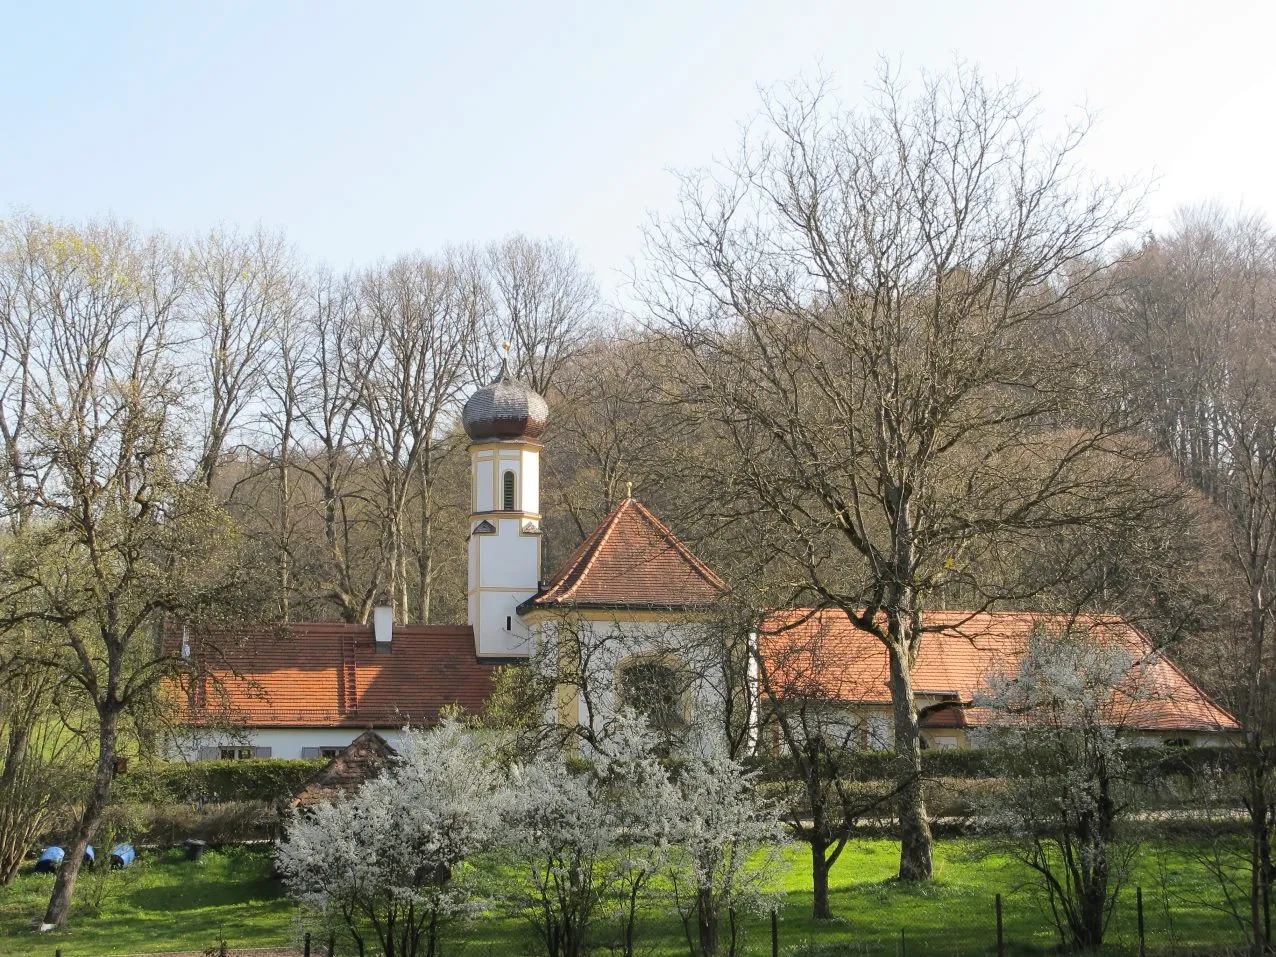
(882,314)
(119,531)
(419,326)
(1197,328)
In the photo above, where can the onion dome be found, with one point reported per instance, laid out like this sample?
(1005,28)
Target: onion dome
(506,409)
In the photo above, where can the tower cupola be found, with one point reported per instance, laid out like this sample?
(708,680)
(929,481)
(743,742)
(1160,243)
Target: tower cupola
(506,409)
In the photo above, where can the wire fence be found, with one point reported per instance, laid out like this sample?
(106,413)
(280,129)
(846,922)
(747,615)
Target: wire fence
(999,942)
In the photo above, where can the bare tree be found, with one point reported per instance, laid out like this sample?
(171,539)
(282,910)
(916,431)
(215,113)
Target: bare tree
(244,289)
(1198,326)
(117,536)
(543,303)
(349,577)
(420,322)
(881,311)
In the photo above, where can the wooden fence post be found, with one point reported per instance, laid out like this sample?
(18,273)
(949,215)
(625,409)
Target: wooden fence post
(775,935)
(902,951)
(306,946)
(1001,940)
(1138,898)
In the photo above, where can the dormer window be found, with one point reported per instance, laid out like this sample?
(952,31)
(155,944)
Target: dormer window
(507,491)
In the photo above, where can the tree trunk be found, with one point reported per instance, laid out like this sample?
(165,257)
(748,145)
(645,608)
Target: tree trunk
(708,922)
(915,848)
(285,501)
(822,909)
(1268,874)
(425,557)
(12,832)
(1260,862)
(64,887)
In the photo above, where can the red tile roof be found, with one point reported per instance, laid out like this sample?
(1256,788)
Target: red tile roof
(631,560)
(321,674)
(820,653)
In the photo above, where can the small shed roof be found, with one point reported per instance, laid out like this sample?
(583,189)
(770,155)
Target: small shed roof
(366,757)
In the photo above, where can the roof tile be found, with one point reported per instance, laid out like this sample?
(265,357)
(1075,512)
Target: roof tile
(822,654)
(320,674)
(631,560)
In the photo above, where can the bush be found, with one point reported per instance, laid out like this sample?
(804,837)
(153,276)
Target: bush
(1189,763)
(268,780)
(945,797)
(165,825)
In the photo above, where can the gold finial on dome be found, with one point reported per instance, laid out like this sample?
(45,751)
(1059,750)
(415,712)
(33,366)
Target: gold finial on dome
(629,490)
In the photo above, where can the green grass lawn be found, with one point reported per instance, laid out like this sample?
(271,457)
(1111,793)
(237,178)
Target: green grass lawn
(164,903)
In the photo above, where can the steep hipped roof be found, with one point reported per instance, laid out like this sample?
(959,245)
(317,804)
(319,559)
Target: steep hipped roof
(366,757)
(631,560)
(820,653)
(329,674)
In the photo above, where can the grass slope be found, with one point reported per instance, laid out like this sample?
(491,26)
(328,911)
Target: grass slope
(165,903)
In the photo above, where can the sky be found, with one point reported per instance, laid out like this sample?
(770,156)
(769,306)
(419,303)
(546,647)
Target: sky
(365,130)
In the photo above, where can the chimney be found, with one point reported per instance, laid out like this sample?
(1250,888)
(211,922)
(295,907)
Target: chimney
(383,627)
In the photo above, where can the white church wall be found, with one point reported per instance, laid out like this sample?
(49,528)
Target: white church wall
(610,643)
(495,637)
(508,558)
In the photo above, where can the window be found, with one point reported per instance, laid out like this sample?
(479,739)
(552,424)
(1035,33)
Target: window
(332,751)
(879,732)
(236,754)
(1178,743)
(656,688)
(507,492)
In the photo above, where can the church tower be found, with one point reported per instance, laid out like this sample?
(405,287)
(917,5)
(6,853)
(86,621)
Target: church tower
(503,421)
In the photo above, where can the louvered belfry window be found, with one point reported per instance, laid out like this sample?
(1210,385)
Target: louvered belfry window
(507,491)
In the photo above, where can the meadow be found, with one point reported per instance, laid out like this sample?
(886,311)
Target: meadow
(165,903)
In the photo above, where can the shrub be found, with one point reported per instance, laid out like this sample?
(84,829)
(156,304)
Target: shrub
(230,822)
(1188,763)
(268,780)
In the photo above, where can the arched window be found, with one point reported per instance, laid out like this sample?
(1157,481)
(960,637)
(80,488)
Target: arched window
(507,491)
(656,687)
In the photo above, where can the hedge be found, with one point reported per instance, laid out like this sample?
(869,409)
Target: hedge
(983,763)
(177,782)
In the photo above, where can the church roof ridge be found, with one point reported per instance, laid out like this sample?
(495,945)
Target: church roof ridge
(641,569)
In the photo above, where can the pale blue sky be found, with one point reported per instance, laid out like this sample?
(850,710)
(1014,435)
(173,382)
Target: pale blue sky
(370,129)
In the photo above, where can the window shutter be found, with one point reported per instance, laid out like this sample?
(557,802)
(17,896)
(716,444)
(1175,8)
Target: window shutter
(209,753)
(310,752)
(261,752)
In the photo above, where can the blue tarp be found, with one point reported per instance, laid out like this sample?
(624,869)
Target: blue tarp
(90,857)
(50,860)
(122,855)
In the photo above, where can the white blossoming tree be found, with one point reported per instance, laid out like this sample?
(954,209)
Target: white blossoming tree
(587,841)
(726,846)
(635,786)
(1056,727)
(390,863)
(560,836)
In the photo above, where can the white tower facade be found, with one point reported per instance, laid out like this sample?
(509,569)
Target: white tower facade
(503,421)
